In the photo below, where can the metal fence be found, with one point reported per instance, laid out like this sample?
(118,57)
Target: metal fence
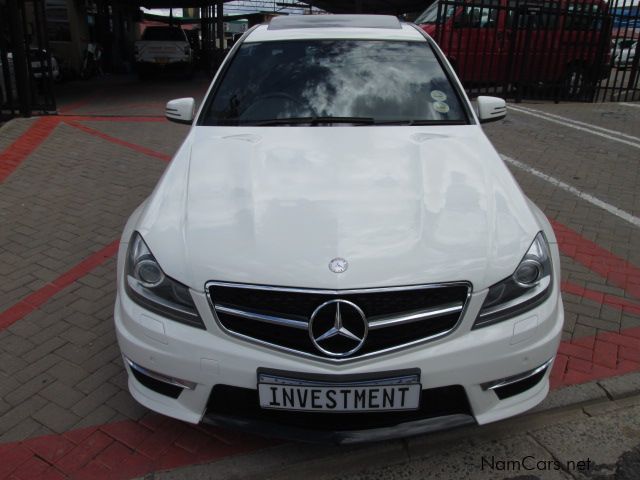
(26,67)
(583,50)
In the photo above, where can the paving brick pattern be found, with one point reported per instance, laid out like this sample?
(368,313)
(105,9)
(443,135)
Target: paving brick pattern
(64,405)
(72,214)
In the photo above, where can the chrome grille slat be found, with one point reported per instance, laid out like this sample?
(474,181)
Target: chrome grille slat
(259,317)
(374,323)
(418,316)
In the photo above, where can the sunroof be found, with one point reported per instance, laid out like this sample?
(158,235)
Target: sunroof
(333,21)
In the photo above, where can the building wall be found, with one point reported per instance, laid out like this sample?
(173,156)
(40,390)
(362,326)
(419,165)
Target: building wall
(73,24)
(68,31)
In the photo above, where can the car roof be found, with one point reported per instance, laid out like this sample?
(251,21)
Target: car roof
(311,27)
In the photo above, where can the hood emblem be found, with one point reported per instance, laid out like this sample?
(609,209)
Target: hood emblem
(338,265)
(338,328)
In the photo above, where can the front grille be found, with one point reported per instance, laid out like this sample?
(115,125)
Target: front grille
(395,317)
(244,403)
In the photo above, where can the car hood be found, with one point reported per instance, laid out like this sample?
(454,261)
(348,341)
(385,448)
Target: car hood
(273,206)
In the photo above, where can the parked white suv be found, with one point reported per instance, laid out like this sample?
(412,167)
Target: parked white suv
(337,252)
(163,49)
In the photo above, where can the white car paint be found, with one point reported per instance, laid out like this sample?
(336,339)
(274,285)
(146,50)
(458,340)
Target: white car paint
(436,195)
(404,205)
(164,52)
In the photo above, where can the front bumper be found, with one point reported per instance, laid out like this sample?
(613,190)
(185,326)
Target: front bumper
(341,437)
(470,359)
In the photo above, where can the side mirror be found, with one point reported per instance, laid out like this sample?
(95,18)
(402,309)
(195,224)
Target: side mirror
(181,110)
(491,109)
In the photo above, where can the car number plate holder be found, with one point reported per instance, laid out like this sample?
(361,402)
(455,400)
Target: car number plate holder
(339,395)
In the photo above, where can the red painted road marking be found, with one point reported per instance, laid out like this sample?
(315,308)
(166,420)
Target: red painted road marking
(608,354)
(117,141)
(616,270)
(617,303)
(36,299)
(37,133)
(122,450)
(24,145)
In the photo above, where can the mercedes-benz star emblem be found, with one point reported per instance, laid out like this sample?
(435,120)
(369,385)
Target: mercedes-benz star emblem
(338,265)
(338,328)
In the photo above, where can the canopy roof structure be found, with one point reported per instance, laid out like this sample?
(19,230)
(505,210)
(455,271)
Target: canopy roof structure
(389,7)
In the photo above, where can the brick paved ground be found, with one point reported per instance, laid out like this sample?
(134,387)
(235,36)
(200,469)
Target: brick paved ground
(68,183)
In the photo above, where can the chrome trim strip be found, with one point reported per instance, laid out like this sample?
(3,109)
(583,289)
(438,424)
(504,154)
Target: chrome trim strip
(329,291)
(381,322)
(159,376)
(285,322)
(320,358)
(415,316)
(503,382)
(279,380)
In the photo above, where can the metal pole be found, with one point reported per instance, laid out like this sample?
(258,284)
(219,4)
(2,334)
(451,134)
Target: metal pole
(220,25)
(20,59)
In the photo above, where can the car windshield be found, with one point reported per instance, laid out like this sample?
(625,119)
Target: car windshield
(334,82)
(163,34)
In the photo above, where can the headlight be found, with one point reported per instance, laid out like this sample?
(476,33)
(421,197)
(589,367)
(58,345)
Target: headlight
(528,287)
(148,286)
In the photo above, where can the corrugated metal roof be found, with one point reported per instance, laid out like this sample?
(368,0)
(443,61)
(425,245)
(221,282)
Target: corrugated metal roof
(390,7)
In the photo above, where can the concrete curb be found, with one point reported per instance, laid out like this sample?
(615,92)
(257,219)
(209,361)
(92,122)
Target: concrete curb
(294,461)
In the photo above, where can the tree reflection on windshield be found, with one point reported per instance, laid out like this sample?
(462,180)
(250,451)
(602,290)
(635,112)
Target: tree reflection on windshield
(384,81)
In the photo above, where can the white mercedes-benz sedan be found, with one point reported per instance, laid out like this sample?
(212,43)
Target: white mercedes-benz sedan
(337,252)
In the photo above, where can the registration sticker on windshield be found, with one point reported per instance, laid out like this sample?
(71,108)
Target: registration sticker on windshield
(441,107)
(438,95)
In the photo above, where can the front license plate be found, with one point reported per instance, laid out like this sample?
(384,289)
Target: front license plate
(162,60)
(385,395)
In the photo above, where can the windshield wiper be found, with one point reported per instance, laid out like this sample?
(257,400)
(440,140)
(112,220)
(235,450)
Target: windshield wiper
(349,120)
(413,123)
(313,121)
